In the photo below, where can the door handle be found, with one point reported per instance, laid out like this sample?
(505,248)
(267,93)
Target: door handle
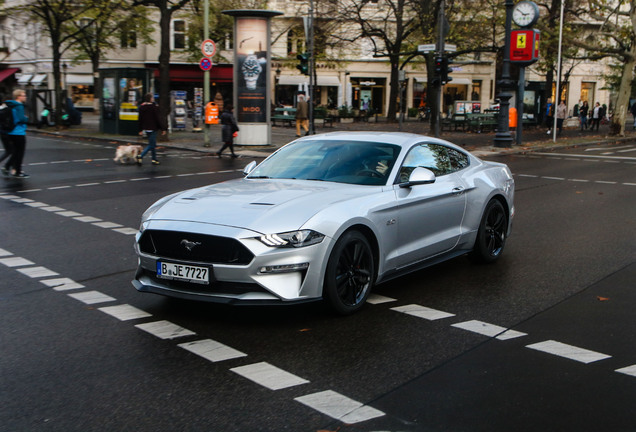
(458,191)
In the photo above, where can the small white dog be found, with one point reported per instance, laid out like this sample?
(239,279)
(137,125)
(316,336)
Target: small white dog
(127,154)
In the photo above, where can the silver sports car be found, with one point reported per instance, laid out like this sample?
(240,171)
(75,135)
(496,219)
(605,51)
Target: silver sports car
(326,217)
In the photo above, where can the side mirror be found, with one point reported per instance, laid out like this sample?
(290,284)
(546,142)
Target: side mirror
(249,168)
(419,176)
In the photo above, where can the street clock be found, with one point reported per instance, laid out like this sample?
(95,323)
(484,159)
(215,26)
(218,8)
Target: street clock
(525,13)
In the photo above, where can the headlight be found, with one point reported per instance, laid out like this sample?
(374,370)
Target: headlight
(297,239)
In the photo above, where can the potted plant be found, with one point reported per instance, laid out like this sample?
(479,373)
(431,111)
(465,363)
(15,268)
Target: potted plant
(345,114)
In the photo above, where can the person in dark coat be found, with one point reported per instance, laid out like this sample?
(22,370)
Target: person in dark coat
(228,129)
(150,122)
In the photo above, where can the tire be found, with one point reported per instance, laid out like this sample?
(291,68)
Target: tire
(491,236)
(350,273)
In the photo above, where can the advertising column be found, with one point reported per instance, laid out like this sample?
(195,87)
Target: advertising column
(252,71)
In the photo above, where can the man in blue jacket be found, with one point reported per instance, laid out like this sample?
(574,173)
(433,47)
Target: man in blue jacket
(17,136)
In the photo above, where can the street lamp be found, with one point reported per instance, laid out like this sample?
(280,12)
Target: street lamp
(503,138)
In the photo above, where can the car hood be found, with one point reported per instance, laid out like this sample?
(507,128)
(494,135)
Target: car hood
(263,206)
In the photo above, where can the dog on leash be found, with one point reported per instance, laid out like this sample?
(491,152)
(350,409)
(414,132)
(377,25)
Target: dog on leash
(127,154)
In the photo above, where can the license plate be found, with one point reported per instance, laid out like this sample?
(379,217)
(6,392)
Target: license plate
(184,272)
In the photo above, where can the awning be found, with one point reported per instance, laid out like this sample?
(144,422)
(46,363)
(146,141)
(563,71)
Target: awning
(193,73)
(327,80)
(6,73)
(37,79)
(459,81)
(24,79)
(79,79)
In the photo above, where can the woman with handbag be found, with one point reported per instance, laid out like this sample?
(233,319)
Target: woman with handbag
(229,130)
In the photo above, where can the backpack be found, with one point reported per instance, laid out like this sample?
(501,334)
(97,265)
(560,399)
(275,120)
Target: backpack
(7,122)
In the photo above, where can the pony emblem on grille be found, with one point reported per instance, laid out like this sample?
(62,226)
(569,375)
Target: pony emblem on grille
(189,245)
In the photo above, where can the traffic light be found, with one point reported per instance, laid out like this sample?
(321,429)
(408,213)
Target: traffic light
(439,61)
(445,71)
(303,66)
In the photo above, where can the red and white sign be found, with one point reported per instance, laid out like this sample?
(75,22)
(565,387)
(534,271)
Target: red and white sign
(208,48)
(524,46)
(205,64)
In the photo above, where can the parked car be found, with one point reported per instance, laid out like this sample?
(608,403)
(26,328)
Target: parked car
(326,217)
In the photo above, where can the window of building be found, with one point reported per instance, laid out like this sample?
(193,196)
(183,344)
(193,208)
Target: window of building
(128,36)
(178,34)
(295,42)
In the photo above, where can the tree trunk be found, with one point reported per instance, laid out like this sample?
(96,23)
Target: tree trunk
(394,91)
(622,100)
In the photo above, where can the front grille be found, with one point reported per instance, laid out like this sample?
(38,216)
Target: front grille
(210,249)
(217,287)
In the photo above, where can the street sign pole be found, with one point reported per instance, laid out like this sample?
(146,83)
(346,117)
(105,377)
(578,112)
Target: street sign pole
(206,74)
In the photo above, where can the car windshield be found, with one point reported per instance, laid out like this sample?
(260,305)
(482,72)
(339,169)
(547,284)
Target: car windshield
(353,162)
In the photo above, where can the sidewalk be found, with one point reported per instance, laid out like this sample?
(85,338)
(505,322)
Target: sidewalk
(481,144)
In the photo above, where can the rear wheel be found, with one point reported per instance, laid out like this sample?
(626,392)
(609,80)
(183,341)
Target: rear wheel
(491,236)
(350,273)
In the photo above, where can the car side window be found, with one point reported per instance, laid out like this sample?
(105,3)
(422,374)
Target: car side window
(431,156)
(458,160)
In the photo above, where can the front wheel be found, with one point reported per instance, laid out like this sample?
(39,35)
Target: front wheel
(350,273)
(491,236)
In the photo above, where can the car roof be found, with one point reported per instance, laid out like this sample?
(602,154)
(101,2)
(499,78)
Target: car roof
(404,139)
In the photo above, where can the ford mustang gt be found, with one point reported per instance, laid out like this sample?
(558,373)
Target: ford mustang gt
(327,217)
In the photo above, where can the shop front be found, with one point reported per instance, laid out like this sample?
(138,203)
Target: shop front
(289,86)
(368,94)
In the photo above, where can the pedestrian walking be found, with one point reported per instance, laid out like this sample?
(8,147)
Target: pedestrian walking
(549,115)
(561,113)
(150,122)
(583,115)
(229,129)
(597,113)
(14,140)
(302,115)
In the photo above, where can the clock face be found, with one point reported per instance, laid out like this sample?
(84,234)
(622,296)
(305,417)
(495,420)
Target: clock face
(525,13)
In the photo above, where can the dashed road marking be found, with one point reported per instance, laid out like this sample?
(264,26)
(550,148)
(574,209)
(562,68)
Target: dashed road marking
(269,376)
(165,329)
(37,272)
(212,350)
(378,299)
(91,297)
(490,330)
(568,351)
(629,370)
(339,407)
(125,312)
(423,312)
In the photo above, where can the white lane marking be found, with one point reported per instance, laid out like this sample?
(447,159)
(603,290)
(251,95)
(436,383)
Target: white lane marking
(87,184)
(211,350)
(4,252)
(587,156)
(37,272)
(552,178)
(378,299)
(339,407)
(606,148)
(52,209)
(22,200)
(490,330)
(62,284)
(59,187)
(125,312)
(422,312)
(107,225)
(37,204)
(126,231)
(16,262)
(568,351)
(629,370)
(626,151)
(91,297)
(605,182)
(88,219)
(269,376)
(165,329)
(69,213)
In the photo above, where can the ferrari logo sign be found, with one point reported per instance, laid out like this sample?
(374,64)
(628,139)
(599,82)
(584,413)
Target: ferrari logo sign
(521,41)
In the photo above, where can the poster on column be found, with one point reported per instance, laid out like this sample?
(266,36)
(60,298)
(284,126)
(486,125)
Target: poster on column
(251,40)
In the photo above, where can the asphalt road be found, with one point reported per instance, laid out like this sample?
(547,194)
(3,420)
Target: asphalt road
(542,340)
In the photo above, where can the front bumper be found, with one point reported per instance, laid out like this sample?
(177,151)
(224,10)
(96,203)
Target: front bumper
(267,278)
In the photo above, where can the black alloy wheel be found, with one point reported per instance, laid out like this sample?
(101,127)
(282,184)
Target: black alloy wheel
(350,273)
(491,237)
